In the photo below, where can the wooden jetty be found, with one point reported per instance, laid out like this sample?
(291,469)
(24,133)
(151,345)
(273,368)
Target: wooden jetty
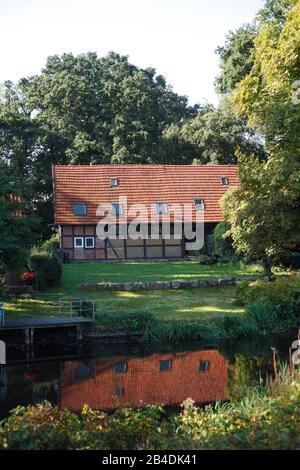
(29,325)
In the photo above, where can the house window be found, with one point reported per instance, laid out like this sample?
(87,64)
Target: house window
(224,181)
(80,209)
(114,182)
(90,242)
(165,366)
(203,366)
(78,242)
(117,209)
(120,391)
(121,367)
(161,208)
(199,204)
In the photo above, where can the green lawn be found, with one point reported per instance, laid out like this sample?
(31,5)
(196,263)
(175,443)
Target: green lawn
(75,274)
(166,305)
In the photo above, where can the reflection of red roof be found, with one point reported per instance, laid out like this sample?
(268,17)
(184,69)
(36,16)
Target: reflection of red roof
(143,381)
(142,184)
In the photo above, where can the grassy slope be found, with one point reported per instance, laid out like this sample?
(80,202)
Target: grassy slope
(166,305)
(140,272)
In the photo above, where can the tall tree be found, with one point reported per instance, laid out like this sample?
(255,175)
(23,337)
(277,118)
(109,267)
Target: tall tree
(213,136)
(17,232)
(235,58)
(265,212)
(82,110)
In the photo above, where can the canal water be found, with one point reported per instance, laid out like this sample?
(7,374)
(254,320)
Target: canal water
(105,376)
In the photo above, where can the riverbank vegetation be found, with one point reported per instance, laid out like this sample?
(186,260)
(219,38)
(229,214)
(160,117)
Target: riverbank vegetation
(266,417)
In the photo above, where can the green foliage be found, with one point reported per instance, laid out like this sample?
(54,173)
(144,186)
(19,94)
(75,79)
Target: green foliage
(235,58)
(263,213)
(216,135)
(223,243)
(206,260)
(283,290)
(17,233)
(83,110)
(44,427)
(47,267)
(132,321)
(52,243)
(270,308)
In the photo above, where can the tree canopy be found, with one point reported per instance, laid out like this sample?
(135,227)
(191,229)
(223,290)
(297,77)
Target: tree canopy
(265,212)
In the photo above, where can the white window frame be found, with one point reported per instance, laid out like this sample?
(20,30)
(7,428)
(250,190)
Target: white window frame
(158,212)
(75,242)
(121,209)
(198,209)
(85,243)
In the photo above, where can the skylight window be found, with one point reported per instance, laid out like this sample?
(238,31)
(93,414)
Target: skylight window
(224,181)
(80,209)
(117,209)
(199,204)
(161,208)
(114,182)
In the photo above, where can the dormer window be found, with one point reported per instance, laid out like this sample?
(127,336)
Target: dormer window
(114,182)
(161,208)
(80,209)
(199,205)
(224,181)
(117,209)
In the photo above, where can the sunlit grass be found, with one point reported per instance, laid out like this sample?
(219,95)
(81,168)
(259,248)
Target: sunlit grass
(165,304)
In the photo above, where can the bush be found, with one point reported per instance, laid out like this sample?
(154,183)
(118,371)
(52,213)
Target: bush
(280,292)
(223,245)
(133,321)
(52,244)
(47,267)
(206,260)
(292,261)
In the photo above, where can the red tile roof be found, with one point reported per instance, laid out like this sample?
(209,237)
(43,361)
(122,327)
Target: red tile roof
(146,184)
(143,383)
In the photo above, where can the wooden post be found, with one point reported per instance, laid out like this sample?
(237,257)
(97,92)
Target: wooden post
(79,330)
(29,334)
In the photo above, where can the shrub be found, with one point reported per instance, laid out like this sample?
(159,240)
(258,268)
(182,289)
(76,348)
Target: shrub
(52,244)
(280,292)
(133,321)
(206,260)
(47,267)
(222,244)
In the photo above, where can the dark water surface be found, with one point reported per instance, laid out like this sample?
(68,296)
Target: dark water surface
(101,376)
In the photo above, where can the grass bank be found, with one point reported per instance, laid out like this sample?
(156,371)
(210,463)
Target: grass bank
(164,305)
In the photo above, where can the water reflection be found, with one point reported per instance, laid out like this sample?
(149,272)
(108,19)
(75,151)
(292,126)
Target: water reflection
(132,375)
(165,379)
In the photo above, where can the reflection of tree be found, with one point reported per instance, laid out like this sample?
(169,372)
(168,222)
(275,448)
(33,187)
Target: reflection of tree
(246,372)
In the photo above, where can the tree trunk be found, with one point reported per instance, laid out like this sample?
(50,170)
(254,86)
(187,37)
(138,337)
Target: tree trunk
(267,274)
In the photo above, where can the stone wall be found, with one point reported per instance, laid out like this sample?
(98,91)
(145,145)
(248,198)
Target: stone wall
(161,285)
